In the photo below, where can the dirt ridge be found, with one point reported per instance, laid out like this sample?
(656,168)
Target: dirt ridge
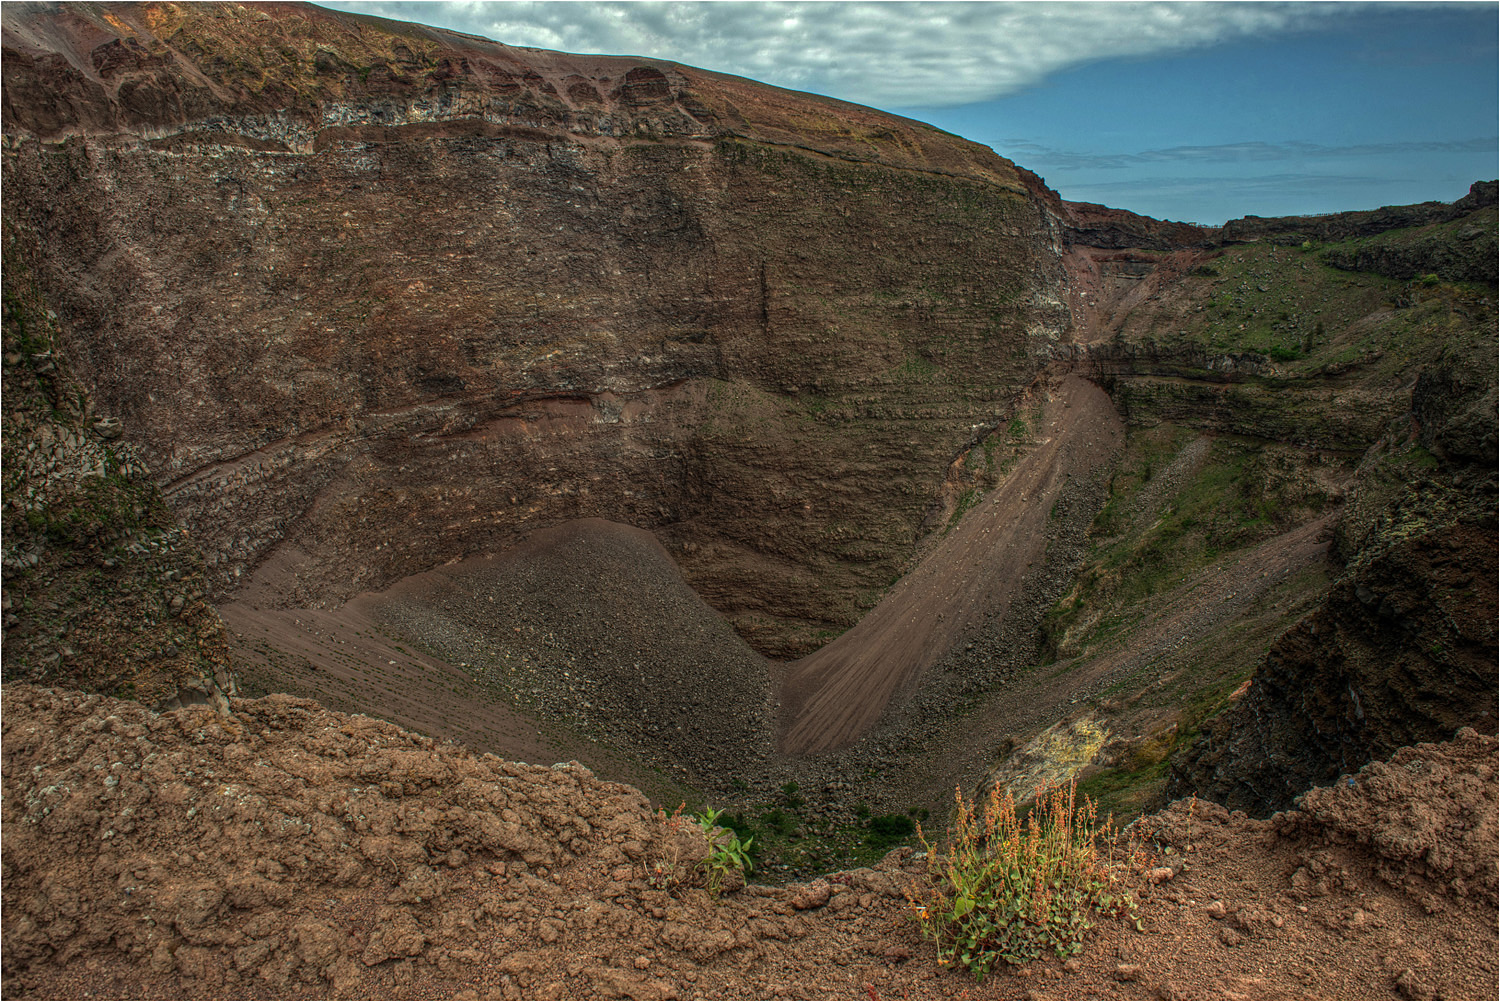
(293,851)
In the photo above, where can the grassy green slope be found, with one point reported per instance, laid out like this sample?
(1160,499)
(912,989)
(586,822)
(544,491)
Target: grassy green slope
(1216,465)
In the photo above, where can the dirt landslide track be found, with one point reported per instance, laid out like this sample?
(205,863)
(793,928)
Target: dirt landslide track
(835,694)
(290,851)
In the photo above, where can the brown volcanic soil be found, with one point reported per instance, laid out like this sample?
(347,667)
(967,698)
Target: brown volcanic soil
(584,642)
(291,851)
(973,574)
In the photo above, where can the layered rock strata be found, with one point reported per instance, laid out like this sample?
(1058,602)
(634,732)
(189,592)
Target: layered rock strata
(368,297)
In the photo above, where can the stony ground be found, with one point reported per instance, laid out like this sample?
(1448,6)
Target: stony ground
(578,644)
(290,851)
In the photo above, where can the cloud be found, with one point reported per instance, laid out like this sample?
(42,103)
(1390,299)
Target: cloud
(886,54)
(1249,152)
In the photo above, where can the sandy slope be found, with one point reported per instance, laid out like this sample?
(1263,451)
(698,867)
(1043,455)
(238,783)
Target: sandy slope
(836,693)
(588,627)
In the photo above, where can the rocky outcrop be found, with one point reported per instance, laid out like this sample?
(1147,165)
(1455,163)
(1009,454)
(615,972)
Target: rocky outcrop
(1452,241)
(155,834)
(1403,648)
(1339,226)
(102,589)
(1231,393)
(367,297)
(1087,224)
(1463,251)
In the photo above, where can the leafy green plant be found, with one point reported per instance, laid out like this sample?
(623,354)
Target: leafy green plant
(1008,890)
(728,854)
(779,821)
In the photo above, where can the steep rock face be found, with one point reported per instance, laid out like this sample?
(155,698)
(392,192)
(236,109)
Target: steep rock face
(1235,393)
(1401,651)
(1403,648)
(368,297)
(1332,392)
(102,589)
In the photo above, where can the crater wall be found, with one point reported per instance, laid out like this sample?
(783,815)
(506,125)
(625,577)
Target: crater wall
(374,297)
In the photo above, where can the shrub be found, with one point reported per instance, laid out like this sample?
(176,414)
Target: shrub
(1006,890)
(888,829)
(779,821)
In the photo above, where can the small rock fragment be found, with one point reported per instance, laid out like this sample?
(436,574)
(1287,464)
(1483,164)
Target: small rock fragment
(814,895)
(1412,986)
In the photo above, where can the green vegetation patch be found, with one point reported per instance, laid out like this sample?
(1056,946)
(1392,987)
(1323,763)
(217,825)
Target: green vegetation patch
(1008,890)
(792,838)
(1170,515)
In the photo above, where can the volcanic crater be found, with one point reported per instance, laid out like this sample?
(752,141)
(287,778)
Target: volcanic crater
(747,447)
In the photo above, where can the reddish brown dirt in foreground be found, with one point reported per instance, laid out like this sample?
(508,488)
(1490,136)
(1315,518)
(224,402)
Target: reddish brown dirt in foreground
(833,695)
(294,852)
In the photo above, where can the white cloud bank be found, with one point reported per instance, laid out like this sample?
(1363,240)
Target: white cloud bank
(884,54)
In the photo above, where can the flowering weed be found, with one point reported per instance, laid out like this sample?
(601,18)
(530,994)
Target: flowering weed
(1007,890)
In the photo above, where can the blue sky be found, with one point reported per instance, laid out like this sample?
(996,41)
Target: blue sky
(1189,111)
